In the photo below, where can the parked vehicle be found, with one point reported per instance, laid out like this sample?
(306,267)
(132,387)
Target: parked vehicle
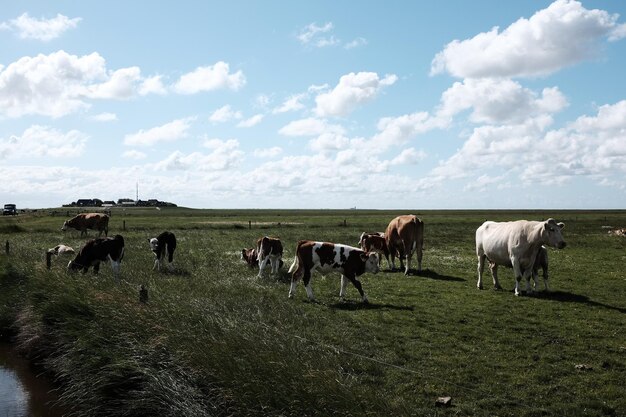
(9,210)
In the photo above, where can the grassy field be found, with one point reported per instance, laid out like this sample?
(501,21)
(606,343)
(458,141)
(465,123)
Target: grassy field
(215,340)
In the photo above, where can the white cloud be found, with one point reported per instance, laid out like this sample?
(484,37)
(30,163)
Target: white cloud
(168,132)
(133,154)
(409,156)
(329,142)
(310,127)
(292,103)
(104,117)
(58,84)
(268,152)
(499,101)
(40,29)
(152,85)
(395,131)
(352,90)
(356,43)
(559,36)
(252,121)
(312,32)
(44,142)
(225,114)
(209,78)
(224,156)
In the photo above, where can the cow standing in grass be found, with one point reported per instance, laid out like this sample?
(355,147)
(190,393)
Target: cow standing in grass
(405,235)
(84,221)
(328,257)
(162,245)
(269,249)
(515,244)
(99,250)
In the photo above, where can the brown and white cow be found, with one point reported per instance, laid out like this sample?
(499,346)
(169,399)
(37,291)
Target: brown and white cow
(328,257)
(516,244)
(250,257)
(269,249)
(371,242)
(61,250)
(99,250)
(405,235)
(84,221)
(163,244)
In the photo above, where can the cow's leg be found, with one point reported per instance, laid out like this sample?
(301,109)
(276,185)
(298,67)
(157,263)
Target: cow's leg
(494,275)
(528,274)
(409,255)
(545,278)
(157,265)
(517,271)
(306,280)
(392,255)
(344,284)
(481,266)
(420,251)
(262,265)
(96,267)
(535,276)
(358,286)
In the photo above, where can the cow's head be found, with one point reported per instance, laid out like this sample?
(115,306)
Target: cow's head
(371,262)
(73,266)
(551,234)
(154,243)
(64,227)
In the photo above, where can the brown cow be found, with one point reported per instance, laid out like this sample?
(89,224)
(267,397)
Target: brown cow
(375,243)
(269,249)
(250,257)
(84,221)
(404,235)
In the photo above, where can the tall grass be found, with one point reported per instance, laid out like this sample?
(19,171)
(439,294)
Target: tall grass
(215,340)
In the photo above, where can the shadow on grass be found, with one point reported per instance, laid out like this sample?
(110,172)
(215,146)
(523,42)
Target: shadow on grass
(426,273)
(359,305)
(569,297)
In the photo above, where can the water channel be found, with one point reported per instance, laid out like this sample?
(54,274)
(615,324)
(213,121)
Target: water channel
(23,391)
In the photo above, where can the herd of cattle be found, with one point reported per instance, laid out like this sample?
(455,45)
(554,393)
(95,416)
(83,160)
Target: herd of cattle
(517,244)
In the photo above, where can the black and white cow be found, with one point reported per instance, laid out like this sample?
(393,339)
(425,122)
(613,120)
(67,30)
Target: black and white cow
(163,244)
(327,257)
(99,250)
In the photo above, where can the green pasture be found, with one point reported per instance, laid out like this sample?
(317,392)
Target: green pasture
(216,340)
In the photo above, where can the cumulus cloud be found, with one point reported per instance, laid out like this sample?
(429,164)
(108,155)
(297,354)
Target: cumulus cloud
(329,142)
(312,33)
(44,142)
(559,36)
(268,152)
(210,78)
(252,121)
(353,89)
(395,131)
(499,101)
(104,117)
(152,85)
(133,154)
(224,155)
(58,84)
(292,103)
(224,114)
(169,132)
(409,156)
(310,127)
(40,29)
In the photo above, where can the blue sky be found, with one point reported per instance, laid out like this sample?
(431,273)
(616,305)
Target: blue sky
(325,104)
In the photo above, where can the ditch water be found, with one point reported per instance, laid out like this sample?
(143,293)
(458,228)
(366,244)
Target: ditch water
(24,392)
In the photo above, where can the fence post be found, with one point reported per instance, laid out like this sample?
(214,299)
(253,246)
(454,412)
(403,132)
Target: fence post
(249,224)
(124,225)
(7,247)
(48,259)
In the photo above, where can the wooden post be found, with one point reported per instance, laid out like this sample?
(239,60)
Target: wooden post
(249,224)
(48,259)
(7,247)
(124,225)
(345,224)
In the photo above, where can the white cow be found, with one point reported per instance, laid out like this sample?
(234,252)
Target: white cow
(515,244)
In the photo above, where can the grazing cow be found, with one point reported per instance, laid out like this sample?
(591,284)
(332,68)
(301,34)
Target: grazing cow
(516,244)
(84,221)
(367,234)
(541,262)
(375,243)
(99,250)
(269,249)
(328,257)
(405,235)
(250,255)
(163,244)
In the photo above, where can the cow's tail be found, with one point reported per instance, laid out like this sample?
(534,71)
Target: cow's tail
(296,260)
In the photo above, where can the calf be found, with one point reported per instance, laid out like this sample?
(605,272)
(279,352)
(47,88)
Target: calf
(331,257)
(269,249)
(375,243)
(250,255)
(99,250)
(516,244)
(163,244)
(61,250)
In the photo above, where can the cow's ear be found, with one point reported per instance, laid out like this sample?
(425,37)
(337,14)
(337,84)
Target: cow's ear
(561,225)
